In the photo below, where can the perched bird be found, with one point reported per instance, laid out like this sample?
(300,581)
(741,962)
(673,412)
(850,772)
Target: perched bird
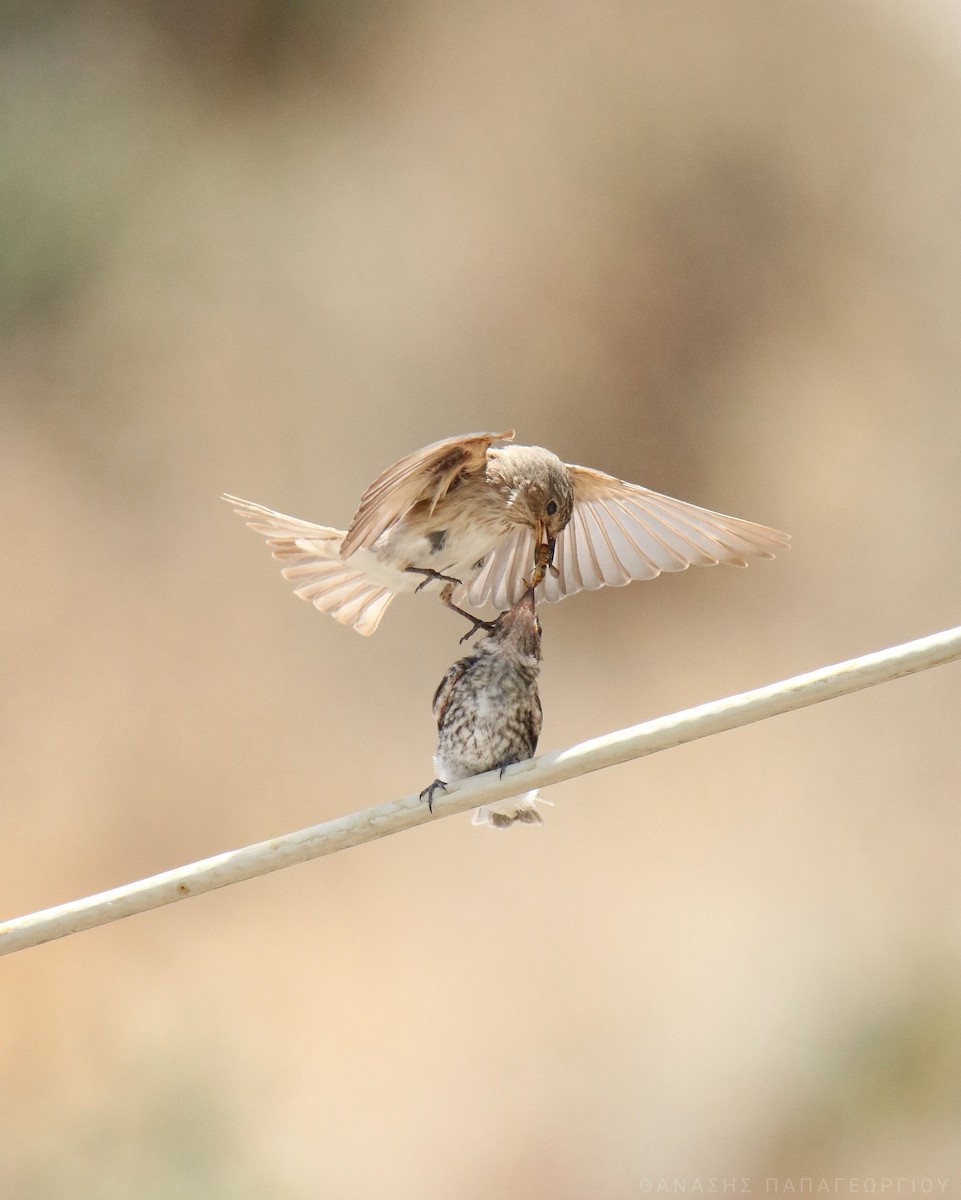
(489,713)
(466,517)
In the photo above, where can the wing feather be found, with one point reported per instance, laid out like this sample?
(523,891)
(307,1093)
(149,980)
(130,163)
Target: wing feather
(507,569)
(568,569)
(638,564)
(586,558)
(628,532)
(424,477)
(500,581)
(445,689)
(620,532)
(610,568)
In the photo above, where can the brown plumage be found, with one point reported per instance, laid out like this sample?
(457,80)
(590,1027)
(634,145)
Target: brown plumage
(475,512)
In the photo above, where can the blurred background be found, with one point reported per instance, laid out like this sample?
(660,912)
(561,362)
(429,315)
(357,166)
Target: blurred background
(269,247)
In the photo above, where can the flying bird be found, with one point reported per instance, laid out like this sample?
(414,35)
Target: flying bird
(489,712)
(469,518)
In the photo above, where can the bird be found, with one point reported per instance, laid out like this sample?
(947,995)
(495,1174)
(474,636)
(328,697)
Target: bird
(468,517)
(489,712)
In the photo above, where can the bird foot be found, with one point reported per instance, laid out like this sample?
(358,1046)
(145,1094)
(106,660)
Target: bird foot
(475,622)
(429,792)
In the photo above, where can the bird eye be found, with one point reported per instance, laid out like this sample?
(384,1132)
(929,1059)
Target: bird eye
(551,507)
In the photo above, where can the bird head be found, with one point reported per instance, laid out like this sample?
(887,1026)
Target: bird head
(538,489)
(518,631)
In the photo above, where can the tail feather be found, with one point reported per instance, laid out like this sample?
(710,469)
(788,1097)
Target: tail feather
(346,594)
(286,531)
(517,810)
(311,557)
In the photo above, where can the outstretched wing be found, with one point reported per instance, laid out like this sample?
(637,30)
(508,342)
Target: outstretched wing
(620,532)
(504,575)
(425,476)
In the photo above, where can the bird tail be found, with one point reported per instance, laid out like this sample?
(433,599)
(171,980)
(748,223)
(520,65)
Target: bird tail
(518,809)
(311,557)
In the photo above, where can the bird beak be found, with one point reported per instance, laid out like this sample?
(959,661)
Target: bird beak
(519,624)
(527,603)
(542,537)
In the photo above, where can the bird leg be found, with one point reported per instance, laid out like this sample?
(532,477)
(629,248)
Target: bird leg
(431,575)
(475,622)
(429,792)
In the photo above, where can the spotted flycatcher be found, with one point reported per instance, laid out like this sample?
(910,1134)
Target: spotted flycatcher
(469,518)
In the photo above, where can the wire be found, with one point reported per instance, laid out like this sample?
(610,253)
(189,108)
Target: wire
(398,815)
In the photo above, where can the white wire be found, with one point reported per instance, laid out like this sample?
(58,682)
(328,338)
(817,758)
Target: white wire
(397,815)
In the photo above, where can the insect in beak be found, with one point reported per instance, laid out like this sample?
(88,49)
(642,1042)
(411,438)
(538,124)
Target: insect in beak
(548,553)
(543,555)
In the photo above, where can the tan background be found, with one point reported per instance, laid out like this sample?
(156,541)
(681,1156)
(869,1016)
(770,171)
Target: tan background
(269,248)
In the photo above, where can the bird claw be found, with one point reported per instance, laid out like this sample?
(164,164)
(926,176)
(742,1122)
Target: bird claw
(429,792)
(446,596)
(476,623)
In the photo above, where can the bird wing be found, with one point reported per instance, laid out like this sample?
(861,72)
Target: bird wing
(445,688)
(620,532)
(505,574)
(535,723)
(424,477)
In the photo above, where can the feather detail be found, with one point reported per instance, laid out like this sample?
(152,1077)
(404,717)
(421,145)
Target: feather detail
(424,477)
(311,557)
(500,581)
(286,531)
(518,810)
(348,595)
(619,532)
